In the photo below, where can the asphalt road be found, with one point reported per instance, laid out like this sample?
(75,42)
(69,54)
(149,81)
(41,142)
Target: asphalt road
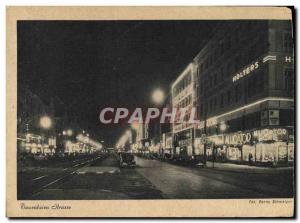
(152,179)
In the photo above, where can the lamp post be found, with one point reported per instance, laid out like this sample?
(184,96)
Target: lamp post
(158,96)
(69,132)
(46,124)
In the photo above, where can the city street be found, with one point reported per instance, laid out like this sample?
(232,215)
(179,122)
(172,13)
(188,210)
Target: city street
(101,178)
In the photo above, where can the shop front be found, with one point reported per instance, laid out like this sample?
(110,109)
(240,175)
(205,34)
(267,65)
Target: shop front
(268,146)
(184,144)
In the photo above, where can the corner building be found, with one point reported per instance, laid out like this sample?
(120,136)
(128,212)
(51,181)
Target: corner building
(244,94)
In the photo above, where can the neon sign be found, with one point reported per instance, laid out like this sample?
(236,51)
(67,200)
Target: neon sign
(247,70)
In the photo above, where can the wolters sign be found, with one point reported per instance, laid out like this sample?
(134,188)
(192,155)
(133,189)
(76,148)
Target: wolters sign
(247,70)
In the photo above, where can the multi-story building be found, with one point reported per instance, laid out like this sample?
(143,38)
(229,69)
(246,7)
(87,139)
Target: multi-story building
(142,135)
(183,96)
(31,137)
(244,93)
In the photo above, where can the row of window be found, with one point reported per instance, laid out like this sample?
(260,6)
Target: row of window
(224,73)
(254,85)
(183,84)
(244,57)
(288,42)
(185,102)
(285,81)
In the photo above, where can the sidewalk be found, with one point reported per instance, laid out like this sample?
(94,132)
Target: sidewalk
(246,169)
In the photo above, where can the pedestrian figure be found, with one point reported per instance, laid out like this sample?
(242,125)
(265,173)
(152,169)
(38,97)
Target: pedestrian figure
(250,159)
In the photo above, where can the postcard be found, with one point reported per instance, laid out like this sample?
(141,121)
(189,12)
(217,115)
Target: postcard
(166,112)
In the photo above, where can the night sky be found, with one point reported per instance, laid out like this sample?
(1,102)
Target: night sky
(94,64)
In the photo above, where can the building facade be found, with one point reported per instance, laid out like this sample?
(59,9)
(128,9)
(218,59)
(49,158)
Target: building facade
(183,97)
(244,93)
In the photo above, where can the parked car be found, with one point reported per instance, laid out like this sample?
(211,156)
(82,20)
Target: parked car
(127,160)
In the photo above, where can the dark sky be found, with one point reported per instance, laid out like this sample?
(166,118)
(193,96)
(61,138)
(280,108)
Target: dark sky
(93,64)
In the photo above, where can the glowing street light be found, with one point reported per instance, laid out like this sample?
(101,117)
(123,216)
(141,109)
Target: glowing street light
(69,132)
(158,96)
(45,122)
(223,126)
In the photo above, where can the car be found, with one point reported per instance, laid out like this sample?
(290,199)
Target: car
(127,160)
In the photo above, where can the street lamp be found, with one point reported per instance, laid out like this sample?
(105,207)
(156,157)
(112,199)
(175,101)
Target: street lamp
(158,96)
(69,132)
(223,126)
(45,122)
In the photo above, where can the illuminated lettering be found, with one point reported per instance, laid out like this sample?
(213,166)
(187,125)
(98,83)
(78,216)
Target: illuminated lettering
(245,71)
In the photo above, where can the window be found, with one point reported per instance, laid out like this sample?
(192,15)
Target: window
(249,87)
(201,68)
(228,97)
(221,74)
(229,69)
(215,79)
(205,108)
(287,41)
(215,56)
(210,105)
(237,63)
(228,43)
(201,110)
(237,92)
(289,80)
(201,88)
(222,101)
(261,81)
(215,103)
(237,38)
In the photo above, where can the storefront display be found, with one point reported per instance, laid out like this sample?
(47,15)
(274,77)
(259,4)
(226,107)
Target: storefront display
(265,152)
(268,145)
(282,152)
(199,147)
(221,152)
(291,147)
(248,152)
(234,153)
